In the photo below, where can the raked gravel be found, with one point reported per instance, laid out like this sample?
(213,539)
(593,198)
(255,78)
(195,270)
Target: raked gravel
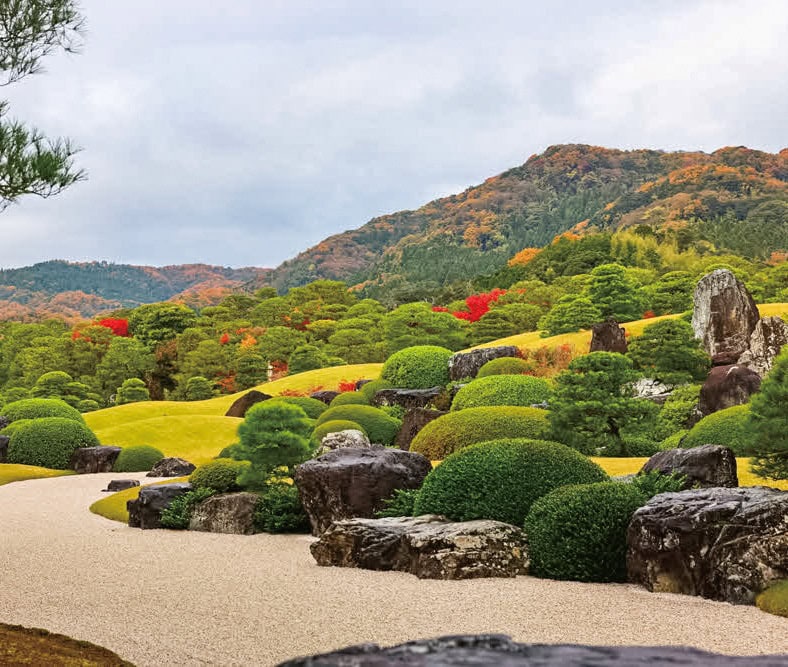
(161,597)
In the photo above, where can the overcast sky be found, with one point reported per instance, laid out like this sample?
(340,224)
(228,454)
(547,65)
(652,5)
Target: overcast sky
(242,132)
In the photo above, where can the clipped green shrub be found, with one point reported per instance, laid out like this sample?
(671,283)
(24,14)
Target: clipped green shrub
(379,427)
(49,442)
(729,427)
(36,408)
(505,366)
(221,475)
(639,445)
(349,398)
(418,367)
(501,479)
(400,503)
(88,405)
(334,426)
(774,600)
(369,389)
(178,513)
(654,481)
(579,532)
(137,458)
(673,441)
(680,406)
(311,406)
(279,510)
(522,390)
(452,432)
(13,426)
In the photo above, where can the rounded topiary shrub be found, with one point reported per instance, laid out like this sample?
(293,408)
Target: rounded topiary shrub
(13,426)
(522,390)
(774,600)
(311,406)
(579,533)
(49,442)
(35,408)
(349,398)
(137,458)
(221,475)
(452,432)
(501,479)
(729,427)
(369,389)
(505,366)
(334,426)
(379,427)
(419,367)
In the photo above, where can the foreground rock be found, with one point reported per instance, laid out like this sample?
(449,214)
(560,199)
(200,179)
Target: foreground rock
(348,483)
(241,405)
(768,338)
(467,364)
(231,513)
(4,441)
(608,337)
(706,466)
(413,421)
(122,484)
(429,547)
(145,511)
(172,467)
(500,650)
(723,544)
(88,460)
(727,386)
(406,398)
(347,439)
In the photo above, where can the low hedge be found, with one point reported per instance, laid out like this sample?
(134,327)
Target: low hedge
(49,442)
(137,458)
(774,600)
(418,367)
(501,479)
(349,398)
(456,430)
(729,427)
(579,532)
(505,366)
(522,390)
(221,475)
(379,427)
(36,408)
(311,406)
(13,426)
(334,426)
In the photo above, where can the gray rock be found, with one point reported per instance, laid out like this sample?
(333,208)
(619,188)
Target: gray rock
(349,483)
(501,651)
(727,386)
(608,337)
(325,395)
(706,466)
(172,466)
(242,404)
(350,437)
(231,513)
(122,484)
(652,390)
(413,421)
(4,441)
(406,398)
(723,544)
(429,547)
(86,460)
(768,338)
(145,511)
(467,364)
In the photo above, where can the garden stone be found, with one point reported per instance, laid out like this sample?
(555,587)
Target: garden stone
(4,421)
(652,390)
(325,396)
(608,337)
(242,404)
(361,383)
(4,441)
(231,513)
(413,421)
(406,398)
(706,466)
(350,437)
(722,544)
(172,467)
(467,364)
(727,386)
(122,484)
(145,511)
(354,482)
(428,546)
(87,460)
(768,338)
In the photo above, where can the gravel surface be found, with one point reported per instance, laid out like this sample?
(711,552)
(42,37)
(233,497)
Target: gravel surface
(179,598)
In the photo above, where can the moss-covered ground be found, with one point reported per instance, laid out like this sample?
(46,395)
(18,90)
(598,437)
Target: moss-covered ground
(14,472)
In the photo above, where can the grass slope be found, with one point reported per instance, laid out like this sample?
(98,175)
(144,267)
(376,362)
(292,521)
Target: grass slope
(14,472)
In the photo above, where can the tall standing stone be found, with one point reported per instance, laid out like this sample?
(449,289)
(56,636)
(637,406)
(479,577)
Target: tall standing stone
(608,337)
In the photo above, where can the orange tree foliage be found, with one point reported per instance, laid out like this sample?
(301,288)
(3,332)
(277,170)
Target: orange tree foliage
(524,256)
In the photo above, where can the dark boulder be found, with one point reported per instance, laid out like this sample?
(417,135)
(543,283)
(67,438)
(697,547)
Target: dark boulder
(429,547)
(4,421)
(361,383)
(706,466)
(172,466)
(608,337)
(413,421)
(87,460)
(122,484)
(145,511)
(727,386)
(768,338)
(4,441)
(723,544)
(467,364)
(349,483)
(231,513)
(406,398)
(325,395)
(242,404)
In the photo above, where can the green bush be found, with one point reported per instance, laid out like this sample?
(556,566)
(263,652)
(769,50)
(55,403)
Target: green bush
(522,390)
(369,389)
(49,442)
(729,427)
(400,503)
(137,458)
(579,532)
(452,432)
(505,366)
(639,446)
(132,390)
(279,510)
(311,406)
(88,405)
(177,514)
(35,408)
(13,426)
(501,479)
(418,367)
(379,427)
(349,398)
(673,441)
(680,406)
(334,426)
(774,600)
(198,388)
(653,482)
(221,475)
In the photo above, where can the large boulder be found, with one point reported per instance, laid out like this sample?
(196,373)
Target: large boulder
(429,547)
(172,466)
(324,395)
(500,650)
(724,316)
(406,398)
(706,466)
(768,338)
(349,483)
(231,513)
(727,386)
(346,439)
(723,544)
(608,337)
(145,511)
(413,421)
(87,460)
(121,485)
(242,404)
(467,364)
(4,441)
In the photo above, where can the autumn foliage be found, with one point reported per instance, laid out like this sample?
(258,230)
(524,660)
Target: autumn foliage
(478,305)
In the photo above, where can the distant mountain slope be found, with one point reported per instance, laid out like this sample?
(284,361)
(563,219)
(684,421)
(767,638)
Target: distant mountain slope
(566,187)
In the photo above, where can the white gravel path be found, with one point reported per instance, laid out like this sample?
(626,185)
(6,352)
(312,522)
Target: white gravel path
(181,598)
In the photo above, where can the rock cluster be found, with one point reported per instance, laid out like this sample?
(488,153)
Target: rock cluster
(467,364)
(145,511)
(172,467)
(706,466)
(346,439)
(231,513)
(406,398)
(94,459)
